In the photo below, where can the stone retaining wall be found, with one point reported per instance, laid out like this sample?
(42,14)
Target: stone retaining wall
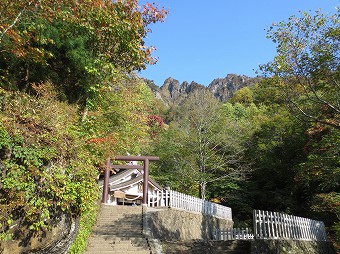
(260,246)
(179,225)
(172,230)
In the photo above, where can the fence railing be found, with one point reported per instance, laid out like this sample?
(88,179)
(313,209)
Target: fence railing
(174,199)
(233,234)
(273,225)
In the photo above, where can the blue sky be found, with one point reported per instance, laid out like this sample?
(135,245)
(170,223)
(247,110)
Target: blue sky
(203,40)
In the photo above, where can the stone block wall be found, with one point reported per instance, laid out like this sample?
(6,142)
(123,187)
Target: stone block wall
(169,224)
(291,246)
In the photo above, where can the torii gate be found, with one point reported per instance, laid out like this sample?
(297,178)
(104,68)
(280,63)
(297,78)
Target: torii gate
(145,167)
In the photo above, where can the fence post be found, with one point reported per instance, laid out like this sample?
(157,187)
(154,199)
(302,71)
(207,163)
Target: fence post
(263,224)
(270,225)
(255,224)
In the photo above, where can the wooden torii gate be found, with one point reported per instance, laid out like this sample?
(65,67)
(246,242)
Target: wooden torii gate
(145,167)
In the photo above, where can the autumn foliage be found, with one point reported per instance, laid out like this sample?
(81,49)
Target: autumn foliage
(73,43)
(69,98)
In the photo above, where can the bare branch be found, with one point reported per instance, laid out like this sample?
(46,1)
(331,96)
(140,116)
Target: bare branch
(16,20)
(9,27)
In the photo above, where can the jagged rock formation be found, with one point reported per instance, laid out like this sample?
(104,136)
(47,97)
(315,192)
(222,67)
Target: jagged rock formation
(224,88)
(172,92)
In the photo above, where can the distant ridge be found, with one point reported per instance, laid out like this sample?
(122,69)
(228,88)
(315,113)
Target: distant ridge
(172,92)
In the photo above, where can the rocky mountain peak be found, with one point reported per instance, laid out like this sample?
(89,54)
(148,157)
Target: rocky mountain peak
(174,92)
(224,88)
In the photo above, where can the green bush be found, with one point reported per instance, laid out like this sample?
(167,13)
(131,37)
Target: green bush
(45,167)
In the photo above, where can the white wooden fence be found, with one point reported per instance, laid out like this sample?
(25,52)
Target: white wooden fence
(273,225)
(174,199)
(233,234)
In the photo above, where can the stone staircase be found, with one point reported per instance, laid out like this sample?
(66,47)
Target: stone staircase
(118,231)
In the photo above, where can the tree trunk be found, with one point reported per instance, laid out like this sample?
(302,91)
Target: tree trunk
(203,190)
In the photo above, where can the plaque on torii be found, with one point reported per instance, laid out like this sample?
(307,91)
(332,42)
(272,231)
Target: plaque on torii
(145,167)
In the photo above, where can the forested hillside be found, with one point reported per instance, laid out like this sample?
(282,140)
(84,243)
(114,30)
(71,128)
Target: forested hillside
(274,145)
(70,97)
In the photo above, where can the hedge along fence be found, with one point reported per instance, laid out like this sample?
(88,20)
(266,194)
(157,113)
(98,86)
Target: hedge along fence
(274,225)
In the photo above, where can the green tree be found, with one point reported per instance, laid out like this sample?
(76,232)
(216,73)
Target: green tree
(120,122)
(307,64)
(73,44)
(276,149)
(175,166)
(318,177)
(204,144)
(306,73)
(244,95)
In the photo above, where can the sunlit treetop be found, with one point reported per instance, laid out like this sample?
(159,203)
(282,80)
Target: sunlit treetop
(118,28)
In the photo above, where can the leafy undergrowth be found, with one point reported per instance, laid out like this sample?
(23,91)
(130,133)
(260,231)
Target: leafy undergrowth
(46,169)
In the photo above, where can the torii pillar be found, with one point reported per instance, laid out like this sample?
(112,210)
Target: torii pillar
(145,159)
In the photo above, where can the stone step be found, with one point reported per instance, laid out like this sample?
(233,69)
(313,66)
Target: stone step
(120,211)
(120,241)
(131,219)
(125,216)
(122,215)
(117,229)
(126,209)
(113,226)
(125,225)
(120,234)
(119,215)
(103,231)
(118,218)
(118,252)
(115,217)
(122,222)
(120,247)
(116,239)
